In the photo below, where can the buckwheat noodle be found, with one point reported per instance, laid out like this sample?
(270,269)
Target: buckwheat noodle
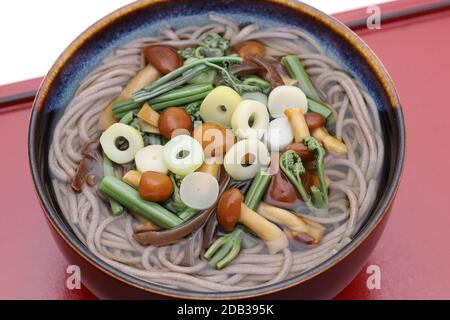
(353,179)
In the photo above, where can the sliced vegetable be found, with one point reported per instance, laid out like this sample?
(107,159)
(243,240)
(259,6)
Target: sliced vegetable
(301,228)
(219,106)
(129,197)
(298,123)
(144,77)
(183,155)
(257,190)
(133,178)
(121,142)
(150,158)
(250,119)
(234,161)
(246,48)
(278,135)
(284,97)
(108,170)
(174,121)
(146,127)
(215,139)
(149,115)
(331,144)
(164,58)
(199,190)
(155,186)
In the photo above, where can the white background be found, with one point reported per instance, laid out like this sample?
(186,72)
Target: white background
(34,32)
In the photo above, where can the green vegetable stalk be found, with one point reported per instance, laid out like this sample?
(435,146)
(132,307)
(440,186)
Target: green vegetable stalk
(298,72)
(108,170)
(225,249)
(257,190)
(170,81)
(129,197)
(127,118)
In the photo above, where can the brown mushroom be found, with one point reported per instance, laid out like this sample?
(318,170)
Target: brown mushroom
(301,228)
(230,212)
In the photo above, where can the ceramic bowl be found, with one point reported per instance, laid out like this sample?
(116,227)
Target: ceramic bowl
(146,17)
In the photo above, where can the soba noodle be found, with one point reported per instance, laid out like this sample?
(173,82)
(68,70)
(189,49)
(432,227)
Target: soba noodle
(353,178)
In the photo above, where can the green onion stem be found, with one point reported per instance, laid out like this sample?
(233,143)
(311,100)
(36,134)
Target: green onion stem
(319,108)
(257,189)
(144,95)
(182,92)
(181,101)
(172,75)
(187,213)
(296,70)
(108,170)
(127,118)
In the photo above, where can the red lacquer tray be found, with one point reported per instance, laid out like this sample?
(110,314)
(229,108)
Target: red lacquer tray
(413,254)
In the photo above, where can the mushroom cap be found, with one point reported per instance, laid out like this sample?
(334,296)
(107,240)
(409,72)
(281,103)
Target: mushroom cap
(229,209)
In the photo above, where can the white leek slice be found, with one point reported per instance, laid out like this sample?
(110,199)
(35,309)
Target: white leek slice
(108,141)
(250,111)
(283,97)
(183,155)
(279,134)
(199,190)
(219,105)
(150,158)
(234,161)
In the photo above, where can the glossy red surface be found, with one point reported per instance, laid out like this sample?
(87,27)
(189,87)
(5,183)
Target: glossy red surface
(412,254)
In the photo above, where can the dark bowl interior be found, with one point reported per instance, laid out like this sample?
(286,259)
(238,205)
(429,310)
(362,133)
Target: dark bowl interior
(147,17)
